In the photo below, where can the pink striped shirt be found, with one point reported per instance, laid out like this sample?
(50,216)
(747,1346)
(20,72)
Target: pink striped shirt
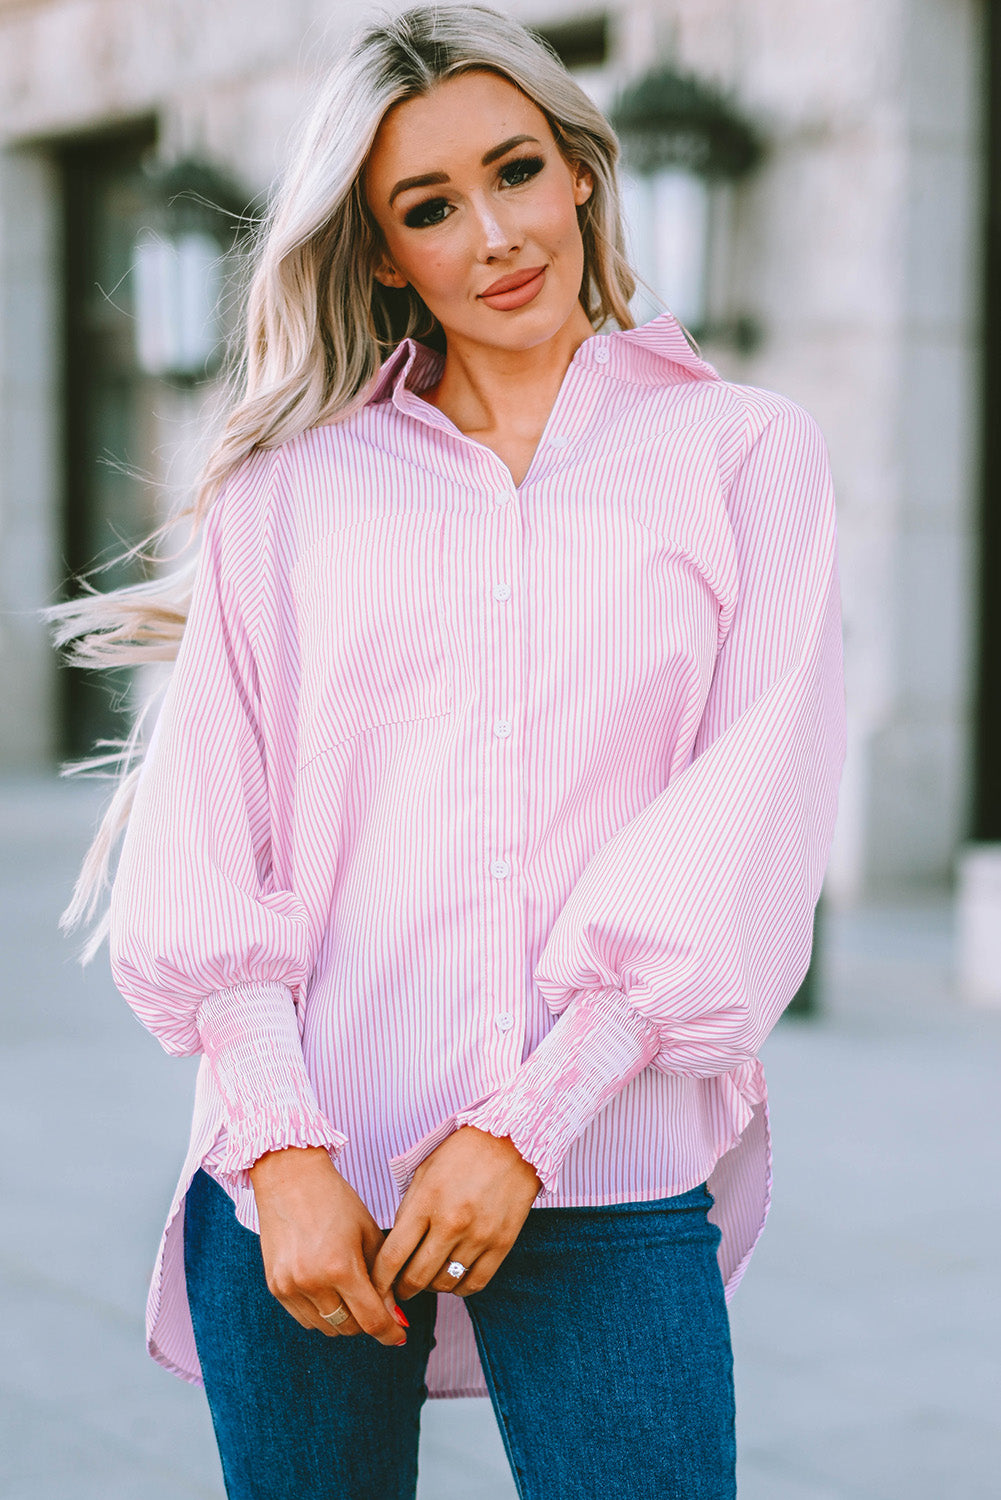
(508,805)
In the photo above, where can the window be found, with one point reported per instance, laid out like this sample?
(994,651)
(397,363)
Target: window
(579,43)
(107,411)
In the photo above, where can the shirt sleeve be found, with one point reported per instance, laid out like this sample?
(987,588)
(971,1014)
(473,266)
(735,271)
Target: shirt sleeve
(689,931)
(208,947)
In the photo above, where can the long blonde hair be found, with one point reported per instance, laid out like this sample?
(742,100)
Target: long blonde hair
(318,325)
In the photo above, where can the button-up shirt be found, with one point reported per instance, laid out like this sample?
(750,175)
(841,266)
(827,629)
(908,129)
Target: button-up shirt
(474,802)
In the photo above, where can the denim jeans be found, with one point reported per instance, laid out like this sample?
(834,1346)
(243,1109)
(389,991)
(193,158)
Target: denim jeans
(604,1341)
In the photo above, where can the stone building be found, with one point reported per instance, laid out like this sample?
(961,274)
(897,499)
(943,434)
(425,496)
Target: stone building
(857,250)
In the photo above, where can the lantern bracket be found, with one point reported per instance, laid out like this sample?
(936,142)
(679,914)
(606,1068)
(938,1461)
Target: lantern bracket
(672,119)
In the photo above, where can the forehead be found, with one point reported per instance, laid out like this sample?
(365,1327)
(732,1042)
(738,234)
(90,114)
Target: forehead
(460,119)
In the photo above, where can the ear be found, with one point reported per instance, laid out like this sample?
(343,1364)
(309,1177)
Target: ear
(385,272)
(583,184)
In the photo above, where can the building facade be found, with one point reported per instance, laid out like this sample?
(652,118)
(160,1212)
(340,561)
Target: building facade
(855,249)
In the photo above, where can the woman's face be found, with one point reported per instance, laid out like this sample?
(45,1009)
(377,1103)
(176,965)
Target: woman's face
(469,190)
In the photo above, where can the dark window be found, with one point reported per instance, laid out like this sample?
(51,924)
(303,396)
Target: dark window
(986,811)
(107,412)
(581,43)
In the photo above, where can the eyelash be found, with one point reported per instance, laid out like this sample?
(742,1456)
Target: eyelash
(414,218)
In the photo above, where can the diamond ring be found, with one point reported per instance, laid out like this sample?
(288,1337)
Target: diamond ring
(455,1268)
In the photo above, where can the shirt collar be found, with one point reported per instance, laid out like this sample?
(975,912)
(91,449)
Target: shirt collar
(411,366)
(665,338)
(638,353)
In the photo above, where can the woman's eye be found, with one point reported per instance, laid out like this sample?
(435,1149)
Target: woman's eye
(525,167)
(425,214)
(436,210)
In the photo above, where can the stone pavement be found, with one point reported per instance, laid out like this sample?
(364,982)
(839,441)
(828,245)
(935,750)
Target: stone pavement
(866,1332)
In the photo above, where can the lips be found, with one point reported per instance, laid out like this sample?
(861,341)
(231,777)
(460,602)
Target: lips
(512,282)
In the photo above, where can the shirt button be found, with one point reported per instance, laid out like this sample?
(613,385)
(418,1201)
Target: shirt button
(601,353)
(559,442)
(502,591)
(500,868)
(502,496)
(502,728)
(504,1021)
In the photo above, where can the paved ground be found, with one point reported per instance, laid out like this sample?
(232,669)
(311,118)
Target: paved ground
(866,1331)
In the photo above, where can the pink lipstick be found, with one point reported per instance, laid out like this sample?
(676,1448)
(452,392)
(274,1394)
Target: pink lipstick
(514,290)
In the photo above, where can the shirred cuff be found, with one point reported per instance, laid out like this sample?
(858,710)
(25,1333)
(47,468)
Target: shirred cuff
(597,1046)
(250,1037)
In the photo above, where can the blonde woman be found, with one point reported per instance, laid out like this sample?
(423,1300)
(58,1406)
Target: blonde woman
(477,842)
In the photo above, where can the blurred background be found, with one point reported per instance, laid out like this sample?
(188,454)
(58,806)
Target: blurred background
(815,191)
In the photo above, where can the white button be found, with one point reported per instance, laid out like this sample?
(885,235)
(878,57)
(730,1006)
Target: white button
(502,728)
(502,591)
(500,868)
(601,353)
(504,1021)
(502,496)
(559,442)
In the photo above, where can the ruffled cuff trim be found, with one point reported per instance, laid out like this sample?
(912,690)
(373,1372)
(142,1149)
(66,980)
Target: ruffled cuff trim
(597,1046)
(250,1036)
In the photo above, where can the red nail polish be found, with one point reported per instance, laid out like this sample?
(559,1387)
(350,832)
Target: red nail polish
(398,1315)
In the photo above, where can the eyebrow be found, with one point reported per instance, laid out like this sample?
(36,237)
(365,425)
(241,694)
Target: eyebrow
(431,179)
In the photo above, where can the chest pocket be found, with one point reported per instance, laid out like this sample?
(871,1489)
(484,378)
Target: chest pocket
(374,647)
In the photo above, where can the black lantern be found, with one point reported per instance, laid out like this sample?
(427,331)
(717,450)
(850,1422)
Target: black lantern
(195,218)
(684,145)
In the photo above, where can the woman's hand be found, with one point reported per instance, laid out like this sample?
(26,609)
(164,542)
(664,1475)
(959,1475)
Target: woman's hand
(319,1242)
(467,1202)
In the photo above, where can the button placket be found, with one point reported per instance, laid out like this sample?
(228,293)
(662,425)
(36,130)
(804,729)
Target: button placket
(500,689)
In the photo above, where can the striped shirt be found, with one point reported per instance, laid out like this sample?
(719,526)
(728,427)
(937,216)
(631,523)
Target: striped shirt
(509,805)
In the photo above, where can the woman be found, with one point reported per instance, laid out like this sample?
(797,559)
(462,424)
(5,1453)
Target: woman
(477,843)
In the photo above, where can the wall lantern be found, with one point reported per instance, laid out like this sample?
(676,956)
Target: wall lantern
(194,218)
(684,146)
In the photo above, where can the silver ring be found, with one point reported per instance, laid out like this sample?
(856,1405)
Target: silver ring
(455,1268)
(337,1317)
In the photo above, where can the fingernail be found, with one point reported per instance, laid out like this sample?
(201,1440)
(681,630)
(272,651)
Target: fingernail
(398,1315)
(401,1345)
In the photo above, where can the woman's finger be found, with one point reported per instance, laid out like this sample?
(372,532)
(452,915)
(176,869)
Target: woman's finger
(455,1270)
(345,1325)
(428,1266)
(299,1309)
(306,1313)
(371,1313)
(480,1273)
(396,1250)
(307,1298)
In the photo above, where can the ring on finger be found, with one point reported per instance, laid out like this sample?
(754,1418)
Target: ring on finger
(337,1317)
(455,1269)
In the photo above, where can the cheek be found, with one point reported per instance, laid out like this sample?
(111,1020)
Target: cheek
(557,220)
(437,269)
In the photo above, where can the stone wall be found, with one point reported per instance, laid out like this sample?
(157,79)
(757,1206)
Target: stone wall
(856,248)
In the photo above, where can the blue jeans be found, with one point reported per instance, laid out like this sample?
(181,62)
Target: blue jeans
(604,1341)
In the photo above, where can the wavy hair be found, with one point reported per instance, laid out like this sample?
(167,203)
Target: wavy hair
(317,324)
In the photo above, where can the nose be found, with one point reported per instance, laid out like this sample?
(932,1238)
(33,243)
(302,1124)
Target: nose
(498,231)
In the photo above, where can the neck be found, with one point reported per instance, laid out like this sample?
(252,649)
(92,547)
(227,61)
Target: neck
(489,391)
